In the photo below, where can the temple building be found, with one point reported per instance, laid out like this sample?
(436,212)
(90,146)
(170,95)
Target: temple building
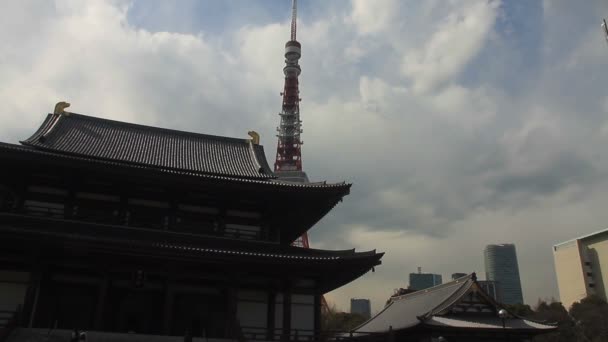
(116,227)
(457,311)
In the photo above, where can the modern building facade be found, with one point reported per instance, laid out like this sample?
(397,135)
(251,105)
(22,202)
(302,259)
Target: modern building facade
(421,281)
(361,306)
(492,288)
(502,267)
(581,266)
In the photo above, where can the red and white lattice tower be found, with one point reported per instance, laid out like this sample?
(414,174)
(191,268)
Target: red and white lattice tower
(288,164)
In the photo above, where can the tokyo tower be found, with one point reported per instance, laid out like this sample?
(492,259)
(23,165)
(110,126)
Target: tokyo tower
(288,164)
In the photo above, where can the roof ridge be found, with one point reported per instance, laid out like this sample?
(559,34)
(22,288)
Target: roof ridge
(451,299)
(160,129)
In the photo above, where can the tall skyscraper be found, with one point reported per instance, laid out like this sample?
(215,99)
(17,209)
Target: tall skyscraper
(501,266)
(581,266)
(492,289)
(362,307)
(421,281)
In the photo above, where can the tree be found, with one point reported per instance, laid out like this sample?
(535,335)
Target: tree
(332,320)
(554,312)
(587,320)
(591,317)
(521,310)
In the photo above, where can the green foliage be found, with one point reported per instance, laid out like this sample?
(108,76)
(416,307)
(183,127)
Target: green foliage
(591,315)
(522,310)
(587,321)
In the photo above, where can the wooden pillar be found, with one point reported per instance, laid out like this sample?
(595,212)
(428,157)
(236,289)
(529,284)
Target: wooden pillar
(270,315)
(102,299)
(286,311)
(123,212)
(232,327)
(31,298)
(317,315)
(168,307)
(21,189)
(71,197)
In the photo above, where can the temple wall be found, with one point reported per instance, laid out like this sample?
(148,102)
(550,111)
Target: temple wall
(251,308)
(13,286)
(278,311)
(302,313)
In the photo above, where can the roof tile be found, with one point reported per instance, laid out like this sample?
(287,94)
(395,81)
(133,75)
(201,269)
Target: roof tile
(103,139)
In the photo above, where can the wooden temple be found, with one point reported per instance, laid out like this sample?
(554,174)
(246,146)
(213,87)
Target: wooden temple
(458,311)
(117,227)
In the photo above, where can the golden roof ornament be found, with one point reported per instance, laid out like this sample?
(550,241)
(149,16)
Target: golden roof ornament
(60,108)
(255,137)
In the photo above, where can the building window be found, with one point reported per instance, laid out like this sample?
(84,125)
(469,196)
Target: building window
(588,263)
(196,219)
(589,274)
(147,213)
(591,285)
(98,208)
(45,201)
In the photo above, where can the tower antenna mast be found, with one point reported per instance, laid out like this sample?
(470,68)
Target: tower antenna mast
(605,29)
(294,16)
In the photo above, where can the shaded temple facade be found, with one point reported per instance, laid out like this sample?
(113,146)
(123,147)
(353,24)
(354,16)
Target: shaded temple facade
(121,227)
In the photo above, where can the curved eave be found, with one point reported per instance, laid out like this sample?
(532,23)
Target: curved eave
(332,269)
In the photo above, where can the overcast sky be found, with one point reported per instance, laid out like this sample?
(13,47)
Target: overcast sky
(460,123)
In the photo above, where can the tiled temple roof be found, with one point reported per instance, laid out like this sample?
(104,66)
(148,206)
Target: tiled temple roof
(109,140)
(432,307)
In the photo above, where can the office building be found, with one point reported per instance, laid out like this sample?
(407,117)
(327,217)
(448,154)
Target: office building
(421,281)
(492,288)
(501,266)
(581,266)
(361,306)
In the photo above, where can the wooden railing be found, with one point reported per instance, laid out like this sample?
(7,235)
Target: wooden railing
(37,210)
(306,335)
(12,323)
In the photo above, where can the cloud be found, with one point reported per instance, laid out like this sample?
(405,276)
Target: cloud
(456,39)
(455,132)
(374,17)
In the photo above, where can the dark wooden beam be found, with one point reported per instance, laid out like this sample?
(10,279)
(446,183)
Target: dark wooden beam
(270,315)
(286,311)
(168,306)
(102,299)
(317,316)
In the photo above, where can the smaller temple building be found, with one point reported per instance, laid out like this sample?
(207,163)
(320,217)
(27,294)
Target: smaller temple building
(452,312)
